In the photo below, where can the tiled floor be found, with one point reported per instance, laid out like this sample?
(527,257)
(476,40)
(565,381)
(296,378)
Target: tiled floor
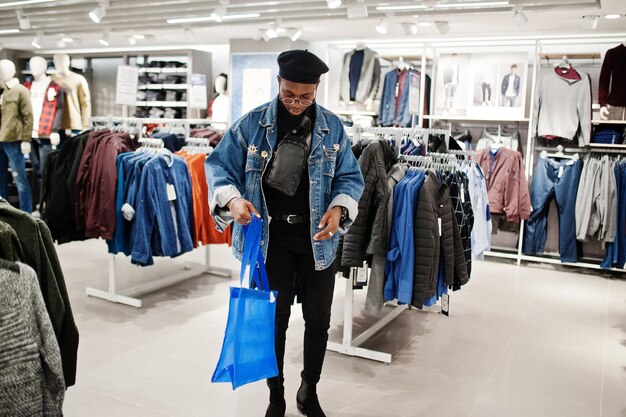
(519,342)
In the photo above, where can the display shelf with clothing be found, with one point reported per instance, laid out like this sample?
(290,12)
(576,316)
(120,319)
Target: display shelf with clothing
(399,89)
(368,244)
(28,240)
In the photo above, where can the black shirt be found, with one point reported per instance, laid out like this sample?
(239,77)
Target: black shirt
(279,204)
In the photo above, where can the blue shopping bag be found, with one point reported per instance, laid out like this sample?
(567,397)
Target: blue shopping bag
(248,353)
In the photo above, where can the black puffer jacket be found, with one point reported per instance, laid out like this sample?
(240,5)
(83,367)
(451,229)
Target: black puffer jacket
(369,233)
(435,206)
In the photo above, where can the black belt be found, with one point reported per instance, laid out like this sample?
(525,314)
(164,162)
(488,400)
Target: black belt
(293,218)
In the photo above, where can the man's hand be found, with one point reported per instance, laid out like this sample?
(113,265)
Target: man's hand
(242,209)
(330,224)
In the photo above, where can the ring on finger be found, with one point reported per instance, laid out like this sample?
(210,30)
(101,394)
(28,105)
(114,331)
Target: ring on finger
(331,234)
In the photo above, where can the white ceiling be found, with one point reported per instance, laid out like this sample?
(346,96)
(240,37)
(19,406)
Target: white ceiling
(69,18)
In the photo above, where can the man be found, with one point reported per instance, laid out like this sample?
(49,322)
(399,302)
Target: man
(511,88)
(290,162)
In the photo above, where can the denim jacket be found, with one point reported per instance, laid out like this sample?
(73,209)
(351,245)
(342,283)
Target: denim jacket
(395,111)
(235,169)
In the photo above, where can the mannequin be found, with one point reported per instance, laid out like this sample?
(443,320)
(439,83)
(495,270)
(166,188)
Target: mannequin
(360,78)
(612,87)
(16,125)
(221,104)
(77,100)
(47,101)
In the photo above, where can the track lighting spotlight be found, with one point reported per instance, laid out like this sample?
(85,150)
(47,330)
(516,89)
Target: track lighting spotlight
(99,12)
(333,4)
(23,20)
(520,18)
(218,13)
(410,29)
(383,26)
(443,27)
(294,34)
(104,39)
(36,42)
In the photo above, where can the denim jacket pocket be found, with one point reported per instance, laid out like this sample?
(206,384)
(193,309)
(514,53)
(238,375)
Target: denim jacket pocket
(329,162)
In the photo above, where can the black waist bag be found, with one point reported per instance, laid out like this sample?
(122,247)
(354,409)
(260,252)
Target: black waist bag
(290,159)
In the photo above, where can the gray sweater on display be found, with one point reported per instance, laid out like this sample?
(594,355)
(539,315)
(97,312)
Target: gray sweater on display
(31,376)
(563,107)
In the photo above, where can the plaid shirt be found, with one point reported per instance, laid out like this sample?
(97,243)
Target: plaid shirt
(52,112)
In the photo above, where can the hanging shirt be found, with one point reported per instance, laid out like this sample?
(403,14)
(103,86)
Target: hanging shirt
(37,97)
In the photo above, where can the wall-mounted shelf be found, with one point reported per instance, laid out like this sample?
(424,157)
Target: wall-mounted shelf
(161,104)
(608,122)
(164,70)
(163,87)
(607,145)
(475,119)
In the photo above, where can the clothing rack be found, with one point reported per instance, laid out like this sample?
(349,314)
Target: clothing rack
(350,345)
(129,295)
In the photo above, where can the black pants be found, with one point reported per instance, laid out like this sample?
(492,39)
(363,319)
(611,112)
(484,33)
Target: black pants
(290,266)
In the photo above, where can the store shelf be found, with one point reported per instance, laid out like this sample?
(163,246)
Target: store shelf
(607,145)
(163,70)
(161,104)
(163,87)
(356,113)
(608,122)
(474,119)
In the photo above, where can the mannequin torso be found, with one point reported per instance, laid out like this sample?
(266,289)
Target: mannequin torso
(221,103)
(77,109)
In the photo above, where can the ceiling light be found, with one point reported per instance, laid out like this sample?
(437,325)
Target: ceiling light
(431,4)
(383,26)
(410,29)
(271,31)
(99,12)
(264,35)
(357,10)
(36,42)
(333,4)
(219,13)
(8,31)
(474,4)
(24,3)
(442,27)
(132,41)
(612,16)
(294,34)
(60,44)
(189,33)
(211,19)
(424,24)
(23,20)
(520,18)
(104,39)
(67,40)
(139,36)
(591,21)
(409,7)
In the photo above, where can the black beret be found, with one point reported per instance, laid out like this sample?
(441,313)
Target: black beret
(300,66)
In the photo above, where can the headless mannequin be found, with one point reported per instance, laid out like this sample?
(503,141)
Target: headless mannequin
(604,110)
(38,67)
(221,104)
(7,74)
(360,46)
(77,96)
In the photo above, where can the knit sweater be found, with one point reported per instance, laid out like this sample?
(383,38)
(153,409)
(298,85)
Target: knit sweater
(31,377)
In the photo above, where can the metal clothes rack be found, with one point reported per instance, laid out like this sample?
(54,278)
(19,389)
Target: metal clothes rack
(350,345)
(129,295)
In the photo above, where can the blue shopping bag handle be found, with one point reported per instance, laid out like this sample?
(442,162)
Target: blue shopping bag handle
(253,256)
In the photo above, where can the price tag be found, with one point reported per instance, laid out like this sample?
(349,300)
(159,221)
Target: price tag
(439,223)
(171,192)
(561,170)
(361,275)
(445,305)
(462,194)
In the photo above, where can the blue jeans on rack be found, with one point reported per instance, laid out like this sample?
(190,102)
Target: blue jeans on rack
(548,184)
(11,155)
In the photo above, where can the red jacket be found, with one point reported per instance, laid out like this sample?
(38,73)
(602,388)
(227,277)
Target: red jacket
(507,187)
(52,112)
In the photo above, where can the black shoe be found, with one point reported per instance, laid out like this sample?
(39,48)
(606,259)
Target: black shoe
(277,407)
(307,401)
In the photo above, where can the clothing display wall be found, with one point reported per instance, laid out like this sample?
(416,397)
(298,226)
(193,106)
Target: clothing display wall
(612,89)
(360,76)
(395,100)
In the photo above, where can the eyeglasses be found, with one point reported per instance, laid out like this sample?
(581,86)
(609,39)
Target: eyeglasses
(302,102)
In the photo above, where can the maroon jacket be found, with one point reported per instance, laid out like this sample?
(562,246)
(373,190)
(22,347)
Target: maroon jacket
(52,112)
(507,187)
